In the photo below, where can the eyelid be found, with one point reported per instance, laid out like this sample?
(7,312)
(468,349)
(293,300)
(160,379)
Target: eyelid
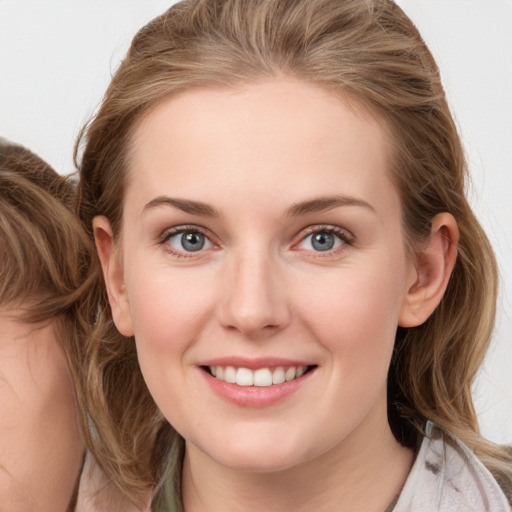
(168,233)
(344,234)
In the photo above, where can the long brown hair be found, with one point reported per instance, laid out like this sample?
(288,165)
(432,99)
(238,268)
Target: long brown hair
(370,50)
(45,253)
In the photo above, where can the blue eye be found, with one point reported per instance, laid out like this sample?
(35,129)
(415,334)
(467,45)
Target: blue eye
(322,241)
(188,241)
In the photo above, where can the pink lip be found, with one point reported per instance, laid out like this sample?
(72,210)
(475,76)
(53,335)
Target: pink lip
(254,396)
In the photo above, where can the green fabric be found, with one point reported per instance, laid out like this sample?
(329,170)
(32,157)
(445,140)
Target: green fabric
(393,504)
(168,497)
(170,502)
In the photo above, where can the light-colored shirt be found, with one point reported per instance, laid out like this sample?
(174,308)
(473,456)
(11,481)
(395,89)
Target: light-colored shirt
(446,477)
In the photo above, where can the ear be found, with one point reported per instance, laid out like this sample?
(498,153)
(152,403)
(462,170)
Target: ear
(113,273)
(434,266)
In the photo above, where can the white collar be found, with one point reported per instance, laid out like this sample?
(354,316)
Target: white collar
(448,477)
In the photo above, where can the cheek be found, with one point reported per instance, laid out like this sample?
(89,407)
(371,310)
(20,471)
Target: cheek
(168,309)
(354,317)
(354,311)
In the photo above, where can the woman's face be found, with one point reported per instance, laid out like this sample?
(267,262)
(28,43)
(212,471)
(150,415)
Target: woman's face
(262,244)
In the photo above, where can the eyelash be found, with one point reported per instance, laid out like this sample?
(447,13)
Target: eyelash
(343,235)
(169,234)
(346,238)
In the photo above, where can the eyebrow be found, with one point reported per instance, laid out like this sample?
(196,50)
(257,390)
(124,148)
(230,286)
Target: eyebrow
(315,205)
(321,204)
(186,205)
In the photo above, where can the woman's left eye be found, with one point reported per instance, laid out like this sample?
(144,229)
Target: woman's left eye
(188,241)
(322,240)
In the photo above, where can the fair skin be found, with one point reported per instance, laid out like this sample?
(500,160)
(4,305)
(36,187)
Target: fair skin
(261,231)
(41,451)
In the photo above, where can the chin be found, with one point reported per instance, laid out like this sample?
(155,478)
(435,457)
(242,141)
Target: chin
(250,454)
(259,463)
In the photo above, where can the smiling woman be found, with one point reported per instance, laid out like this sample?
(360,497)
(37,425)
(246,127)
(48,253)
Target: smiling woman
(276,192)
(258,285)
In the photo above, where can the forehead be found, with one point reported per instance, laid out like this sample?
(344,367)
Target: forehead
(259,136)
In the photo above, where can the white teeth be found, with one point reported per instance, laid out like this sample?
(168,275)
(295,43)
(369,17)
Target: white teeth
(230,374)
(289,374)
(244,377)
(278,376)
(262,377)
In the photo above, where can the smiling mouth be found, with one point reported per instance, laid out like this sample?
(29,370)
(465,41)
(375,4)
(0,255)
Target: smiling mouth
(262,377)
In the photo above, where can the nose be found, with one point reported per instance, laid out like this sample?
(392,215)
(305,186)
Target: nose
(253,298)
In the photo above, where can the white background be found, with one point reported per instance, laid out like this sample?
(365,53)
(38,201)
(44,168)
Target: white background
(57,56)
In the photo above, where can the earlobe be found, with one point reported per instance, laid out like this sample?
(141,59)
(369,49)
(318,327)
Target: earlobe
(435,263)
(113,274)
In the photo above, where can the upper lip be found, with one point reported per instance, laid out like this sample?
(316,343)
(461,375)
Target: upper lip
(255,363)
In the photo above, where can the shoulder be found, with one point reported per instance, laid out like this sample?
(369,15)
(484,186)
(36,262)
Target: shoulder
(448,477)
(96,493)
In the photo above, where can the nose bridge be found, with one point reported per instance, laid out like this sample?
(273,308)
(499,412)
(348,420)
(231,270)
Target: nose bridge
(254,301)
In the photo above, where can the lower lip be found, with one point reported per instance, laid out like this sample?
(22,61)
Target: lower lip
(255,396)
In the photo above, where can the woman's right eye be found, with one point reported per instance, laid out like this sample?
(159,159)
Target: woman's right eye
(187,241)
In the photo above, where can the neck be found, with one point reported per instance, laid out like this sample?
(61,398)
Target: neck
(370,460)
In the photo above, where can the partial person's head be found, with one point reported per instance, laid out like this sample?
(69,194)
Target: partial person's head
(230,117)
(45,256)
(44,252)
